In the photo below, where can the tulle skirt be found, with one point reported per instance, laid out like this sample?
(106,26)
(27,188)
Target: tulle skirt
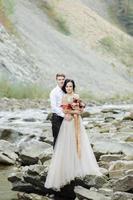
(65,164)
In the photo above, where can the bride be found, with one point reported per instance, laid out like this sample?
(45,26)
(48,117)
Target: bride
(73,156)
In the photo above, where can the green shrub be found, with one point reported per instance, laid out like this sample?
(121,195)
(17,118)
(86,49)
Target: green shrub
(109,44)
(7,6)
(20,90)
(58,21)
(6,9)
(121,48)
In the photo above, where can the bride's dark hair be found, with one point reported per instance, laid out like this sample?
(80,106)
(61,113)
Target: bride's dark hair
(66,82)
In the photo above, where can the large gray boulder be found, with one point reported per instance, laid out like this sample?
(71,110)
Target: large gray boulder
(124,184)
(7,152)
(30,152)
(83,193)
(29,179)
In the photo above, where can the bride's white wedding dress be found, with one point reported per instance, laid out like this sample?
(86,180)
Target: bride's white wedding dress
(65,164)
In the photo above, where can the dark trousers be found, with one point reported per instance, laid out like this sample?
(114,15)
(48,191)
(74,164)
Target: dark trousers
(56,123)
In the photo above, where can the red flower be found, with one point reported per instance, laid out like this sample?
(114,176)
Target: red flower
(66,106)
(77,103)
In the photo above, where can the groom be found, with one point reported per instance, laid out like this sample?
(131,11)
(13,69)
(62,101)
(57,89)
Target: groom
(55,98)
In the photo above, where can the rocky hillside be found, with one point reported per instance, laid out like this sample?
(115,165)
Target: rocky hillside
(46,37)
(119,12)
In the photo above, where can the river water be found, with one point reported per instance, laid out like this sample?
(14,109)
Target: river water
(5,186)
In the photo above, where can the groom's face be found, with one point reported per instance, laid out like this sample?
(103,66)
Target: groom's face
(60,81)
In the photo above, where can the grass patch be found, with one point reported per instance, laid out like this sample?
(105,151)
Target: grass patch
(108,44)
(120,97)
(21,91)
(6,9)
(57,20)
(86,95)
(89,97)
(8,6)
(119,47)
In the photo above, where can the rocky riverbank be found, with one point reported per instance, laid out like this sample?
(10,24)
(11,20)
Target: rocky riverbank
(26,145)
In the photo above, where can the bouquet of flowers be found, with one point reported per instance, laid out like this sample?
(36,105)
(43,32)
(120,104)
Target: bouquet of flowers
(76,104)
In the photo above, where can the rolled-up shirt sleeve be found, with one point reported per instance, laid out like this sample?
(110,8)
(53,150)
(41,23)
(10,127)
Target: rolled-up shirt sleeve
(55,108)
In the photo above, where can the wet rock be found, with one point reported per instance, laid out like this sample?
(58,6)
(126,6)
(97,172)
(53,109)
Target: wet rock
(83,193)
(119,168)
(111,157)
(28,160)
(29,179)
(128,116)
(29,119)
(6,159)
(95,181)
(105,129)
(129,139)
(121,164)
(13,119)
(30,151)
(23,187)
(106,191)
(122,196)
(124,184)
(85,114)
(104,171)
(10,135)
(113,146)
(7,152)
(129,172)
(32,196)
(92,181)
(116,174)
(129,157)
(15,177)
(105,160)
(48,139)
(46,155)
(109,118)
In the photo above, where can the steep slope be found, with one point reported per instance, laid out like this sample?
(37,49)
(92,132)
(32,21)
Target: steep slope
(119,12)
(14,62)
(92,30)
(100,7)
(55,51)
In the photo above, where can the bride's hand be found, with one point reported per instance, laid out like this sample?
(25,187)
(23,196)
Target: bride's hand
(78,112)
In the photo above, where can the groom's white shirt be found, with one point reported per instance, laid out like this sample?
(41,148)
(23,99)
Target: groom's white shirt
(56,99)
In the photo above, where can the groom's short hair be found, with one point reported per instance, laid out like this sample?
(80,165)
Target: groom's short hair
(58,75)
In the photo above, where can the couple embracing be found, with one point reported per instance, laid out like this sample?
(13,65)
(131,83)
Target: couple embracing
(72,155)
